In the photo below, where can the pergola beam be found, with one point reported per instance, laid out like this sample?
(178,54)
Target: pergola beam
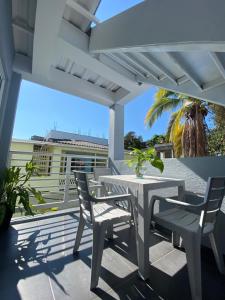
(139,65)
(213,91)
(186,69)
(84,12)
(220,66)
(120,58)
(174,26)
(150,59)
(81,87)
(74,44)
(47,23)
(22,27)
(64,82)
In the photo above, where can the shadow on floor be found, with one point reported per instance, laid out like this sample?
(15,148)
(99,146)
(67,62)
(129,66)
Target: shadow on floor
(37,263)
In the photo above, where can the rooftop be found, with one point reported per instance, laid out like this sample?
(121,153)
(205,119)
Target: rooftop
(55,135)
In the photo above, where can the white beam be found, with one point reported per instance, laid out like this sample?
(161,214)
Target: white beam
(7,116)
(120,58)
(48,20)
(173,25)
(213,92)
(22,27)
(150,59)
(186,69)
(116,132)
(64,82)
(123,98)
(84,12)
(79,86)
(73,43)
(6,38)
(85,75)
(139,65)
(215,57)
(213,84)
(107,60)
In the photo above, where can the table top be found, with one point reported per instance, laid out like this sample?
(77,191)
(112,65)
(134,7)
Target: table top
(146,181)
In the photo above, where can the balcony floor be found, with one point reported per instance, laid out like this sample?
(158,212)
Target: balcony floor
(37,264)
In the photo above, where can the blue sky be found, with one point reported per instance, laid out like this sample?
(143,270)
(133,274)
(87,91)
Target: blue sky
(41,109)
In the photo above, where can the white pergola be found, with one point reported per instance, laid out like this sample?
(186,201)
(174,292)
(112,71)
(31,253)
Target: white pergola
(174,44)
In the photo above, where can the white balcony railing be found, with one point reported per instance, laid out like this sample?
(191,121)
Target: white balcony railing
(56,180)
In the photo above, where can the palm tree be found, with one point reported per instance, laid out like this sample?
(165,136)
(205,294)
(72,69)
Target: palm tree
(187,126)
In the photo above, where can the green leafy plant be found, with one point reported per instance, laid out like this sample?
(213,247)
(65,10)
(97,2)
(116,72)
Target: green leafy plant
(16,191)
(139,157)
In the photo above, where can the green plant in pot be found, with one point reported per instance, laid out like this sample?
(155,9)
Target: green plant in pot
(139,157)
(15,191)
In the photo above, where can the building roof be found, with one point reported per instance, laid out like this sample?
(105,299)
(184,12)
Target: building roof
(84,144)
(70,144)
(56,135)
(164,147)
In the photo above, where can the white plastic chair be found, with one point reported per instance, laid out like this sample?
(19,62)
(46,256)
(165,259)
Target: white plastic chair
(109,189)
(101,188)
(192,226)
(101,213)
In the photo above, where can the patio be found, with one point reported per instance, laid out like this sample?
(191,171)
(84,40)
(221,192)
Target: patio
(38,264)
(63,46)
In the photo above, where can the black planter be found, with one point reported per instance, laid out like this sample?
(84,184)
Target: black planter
(5,217)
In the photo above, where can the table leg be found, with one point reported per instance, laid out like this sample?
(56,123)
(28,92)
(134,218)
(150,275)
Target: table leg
(143,233)
(181,192)
(176,239)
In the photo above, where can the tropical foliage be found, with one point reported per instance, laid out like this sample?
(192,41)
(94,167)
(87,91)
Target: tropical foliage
(15,189)
(216,141)
(187,126)
(131,140)
(139,157)
(156,139)
(216,135)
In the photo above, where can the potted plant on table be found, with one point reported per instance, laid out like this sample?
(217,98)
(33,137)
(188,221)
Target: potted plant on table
(139,157)
(15,191)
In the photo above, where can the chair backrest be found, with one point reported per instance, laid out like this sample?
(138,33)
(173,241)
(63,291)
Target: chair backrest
(115,189)
(83,193)
(101,171)
(213,200)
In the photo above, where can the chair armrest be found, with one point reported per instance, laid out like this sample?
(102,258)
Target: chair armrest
(113,198)
(94,181)
(173,201)
(95,186)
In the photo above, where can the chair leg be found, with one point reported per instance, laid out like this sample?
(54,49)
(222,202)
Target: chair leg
(193,252)
(79,234)
(110,232)
(217,253)
(97,250)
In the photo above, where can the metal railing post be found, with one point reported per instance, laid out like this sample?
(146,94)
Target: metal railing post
(95,161)
(67,179)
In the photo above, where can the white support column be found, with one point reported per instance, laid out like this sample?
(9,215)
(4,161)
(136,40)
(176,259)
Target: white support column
(7,116)
(116,132)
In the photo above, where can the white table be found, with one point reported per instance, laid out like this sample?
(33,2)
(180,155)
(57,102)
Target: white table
(141,188)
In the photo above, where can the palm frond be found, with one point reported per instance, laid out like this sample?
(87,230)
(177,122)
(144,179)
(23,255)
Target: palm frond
(171,121)
(177,143)
(175,131)
(159,107)
(176,124)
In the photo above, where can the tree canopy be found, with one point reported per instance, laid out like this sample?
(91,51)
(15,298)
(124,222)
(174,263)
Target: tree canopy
(131,141)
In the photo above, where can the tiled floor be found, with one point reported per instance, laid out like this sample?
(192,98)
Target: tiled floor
(36,263)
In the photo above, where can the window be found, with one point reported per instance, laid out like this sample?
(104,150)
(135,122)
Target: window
(43,159)
(77,163)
